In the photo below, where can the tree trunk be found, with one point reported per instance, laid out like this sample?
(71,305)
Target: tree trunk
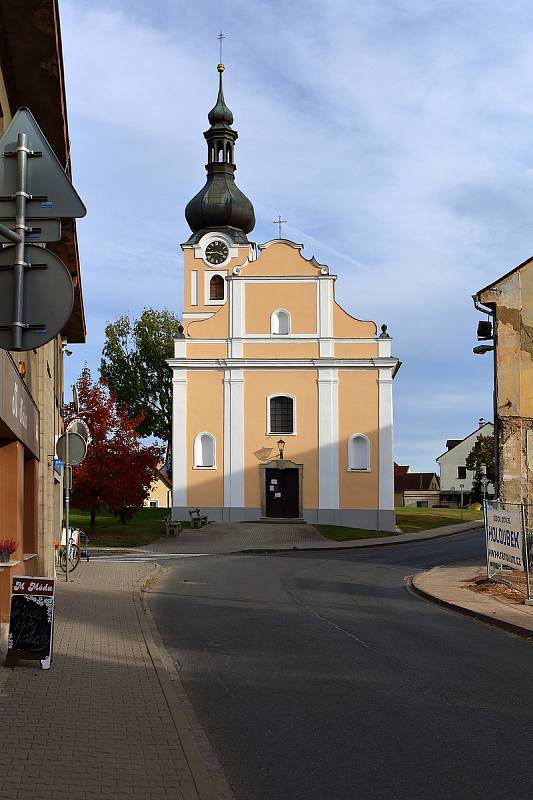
(93,518)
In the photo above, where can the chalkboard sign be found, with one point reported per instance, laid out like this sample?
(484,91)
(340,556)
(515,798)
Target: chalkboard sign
(31,620)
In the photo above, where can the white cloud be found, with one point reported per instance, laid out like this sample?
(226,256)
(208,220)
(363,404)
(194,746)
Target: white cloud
(394,136)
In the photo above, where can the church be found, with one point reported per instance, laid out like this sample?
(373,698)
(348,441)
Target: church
(282,401)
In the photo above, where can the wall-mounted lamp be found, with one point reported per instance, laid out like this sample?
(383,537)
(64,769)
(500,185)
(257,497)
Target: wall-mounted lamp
(22,369)
(281,447)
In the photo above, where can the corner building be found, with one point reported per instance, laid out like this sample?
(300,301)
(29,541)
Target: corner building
(282,401)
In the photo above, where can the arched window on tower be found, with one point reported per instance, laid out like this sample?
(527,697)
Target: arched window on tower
(220,151)
(280,322)
(216,288)
(358,453)
(228,153)
(281,414)
(205,451)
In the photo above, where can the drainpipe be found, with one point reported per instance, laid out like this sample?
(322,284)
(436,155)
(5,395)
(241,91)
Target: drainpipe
(492,313)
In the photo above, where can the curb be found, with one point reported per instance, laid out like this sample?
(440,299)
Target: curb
(205,788)
(524,633)
(363,543)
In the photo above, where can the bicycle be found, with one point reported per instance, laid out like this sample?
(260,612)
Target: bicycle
(71,553)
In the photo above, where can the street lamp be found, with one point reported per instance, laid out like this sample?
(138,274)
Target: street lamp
(461,486)
(484,482)
(281,448)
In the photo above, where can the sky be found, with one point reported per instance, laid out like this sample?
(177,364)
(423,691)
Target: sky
(394,136)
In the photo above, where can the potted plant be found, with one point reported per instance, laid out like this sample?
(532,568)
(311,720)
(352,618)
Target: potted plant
(7,547)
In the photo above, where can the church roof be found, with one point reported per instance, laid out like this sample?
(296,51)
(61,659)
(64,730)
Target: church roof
(220,204)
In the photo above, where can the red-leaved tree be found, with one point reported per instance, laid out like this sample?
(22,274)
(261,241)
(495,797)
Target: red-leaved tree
(118,469)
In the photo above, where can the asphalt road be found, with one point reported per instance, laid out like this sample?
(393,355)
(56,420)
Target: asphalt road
(319,676)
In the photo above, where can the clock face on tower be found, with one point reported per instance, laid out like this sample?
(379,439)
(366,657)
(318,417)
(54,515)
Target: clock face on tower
(216,252)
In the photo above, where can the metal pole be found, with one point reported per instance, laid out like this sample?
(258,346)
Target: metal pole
(9,234)
(486,538)
(462,488)
(20,228)
(68,471)
(526,552)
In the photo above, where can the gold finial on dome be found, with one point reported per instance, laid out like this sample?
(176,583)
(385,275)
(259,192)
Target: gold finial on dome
(221,67)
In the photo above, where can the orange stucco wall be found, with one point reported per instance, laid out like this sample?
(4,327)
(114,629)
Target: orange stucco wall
(346,326)
(356,350)
(298,298)
(301,447)
(201,350)
(279,258)
(281,350)
(216,327)
(205,412)
(358,413)
(191,263)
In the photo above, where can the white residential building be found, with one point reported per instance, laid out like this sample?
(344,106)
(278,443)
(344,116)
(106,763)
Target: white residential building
(452,464)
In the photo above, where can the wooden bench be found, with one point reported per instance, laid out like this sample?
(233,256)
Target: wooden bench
(173,528)
(197,520)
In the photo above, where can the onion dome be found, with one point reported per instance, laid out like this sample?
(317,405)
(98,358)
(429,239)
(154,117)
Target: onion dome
(220,204)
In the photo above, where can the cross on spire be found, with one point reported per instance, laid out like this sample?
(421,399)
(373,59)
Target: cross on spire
(221,36)
(279,222)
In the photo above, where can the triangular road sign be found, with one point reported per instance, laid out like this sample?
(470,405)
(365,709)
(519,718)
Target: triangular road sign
(53,194)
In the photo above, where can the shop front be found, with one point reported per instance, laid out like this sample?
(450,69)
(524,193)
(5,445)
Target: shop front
(19,484)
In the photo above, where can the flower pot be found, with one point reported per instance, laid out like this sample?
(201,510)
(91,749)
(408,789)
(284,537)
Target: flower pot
(4,556)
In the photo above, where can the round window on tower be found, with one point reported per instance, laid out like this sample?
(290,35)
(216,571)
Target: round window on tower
(216,252)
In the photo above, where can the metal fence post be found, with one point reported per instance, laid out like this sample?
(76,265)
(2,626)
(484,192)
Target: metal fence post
(526,551)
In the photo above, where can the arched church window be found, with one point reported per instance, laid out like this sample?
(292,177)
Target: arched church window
(281,414)
(204,451)
(280,322)
(220,151)
(358,453)
(216,288)
(228,153)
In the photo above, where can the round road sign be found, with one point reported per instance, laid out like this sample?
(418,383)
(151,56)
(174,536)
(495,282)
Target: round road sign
(77,448)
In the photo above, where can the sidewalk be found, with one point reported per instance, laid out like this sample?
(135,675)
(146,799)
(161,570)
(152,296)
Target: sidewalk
(223,538)
(105,721)
(448,586)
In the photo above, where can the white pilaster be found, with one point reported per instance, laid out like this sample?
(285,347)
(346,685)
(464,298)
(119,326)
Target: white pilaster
(179,437)
(328,438)
(325,307)
(194,287)
(386,451)
(233,438)
(236,309)
(384,347)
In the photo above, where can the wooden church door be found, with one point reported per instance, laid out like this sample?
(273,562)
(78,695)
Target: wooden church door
(282,486)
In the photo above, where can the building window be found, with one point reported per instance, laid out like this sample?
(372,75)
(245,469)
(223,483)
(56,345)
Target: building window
(280,322)
(216,288)
(358,453)
(421,503)
(461,472)
(154,504)
(204,451)
(281,414)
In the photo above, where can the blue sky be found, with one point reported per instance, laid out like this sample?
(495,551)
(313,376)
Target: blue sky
(394,136)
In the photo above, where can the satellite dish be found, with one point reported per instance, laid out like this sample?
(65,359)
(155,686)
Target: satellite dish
(48,297)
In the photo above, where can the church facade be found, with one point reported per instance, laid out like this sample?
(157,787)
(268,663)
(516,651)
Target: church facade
(282,401)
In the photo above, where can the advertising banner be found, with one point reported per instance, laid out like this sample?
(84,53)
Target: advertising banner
(505,539)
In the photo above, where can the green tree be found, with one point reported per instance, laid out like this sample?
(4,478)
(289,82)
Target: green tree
(481,455)
(134,368)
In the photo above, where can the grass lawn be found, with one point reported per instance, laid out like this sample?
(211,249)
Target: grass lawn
(340,534)
(409,520)
(146,526)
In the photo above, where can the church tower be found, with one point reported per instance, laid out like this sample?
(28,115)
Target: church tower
(282,401)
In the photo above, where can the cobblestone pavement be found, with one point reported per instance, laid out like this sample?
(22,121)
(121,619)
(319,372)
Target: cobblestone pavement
(103,722)
(234,537)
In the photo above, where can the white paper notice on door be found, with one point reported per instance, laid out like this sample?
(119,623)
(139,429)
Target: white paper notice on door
(273,481)
(277,494)
(271,488)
